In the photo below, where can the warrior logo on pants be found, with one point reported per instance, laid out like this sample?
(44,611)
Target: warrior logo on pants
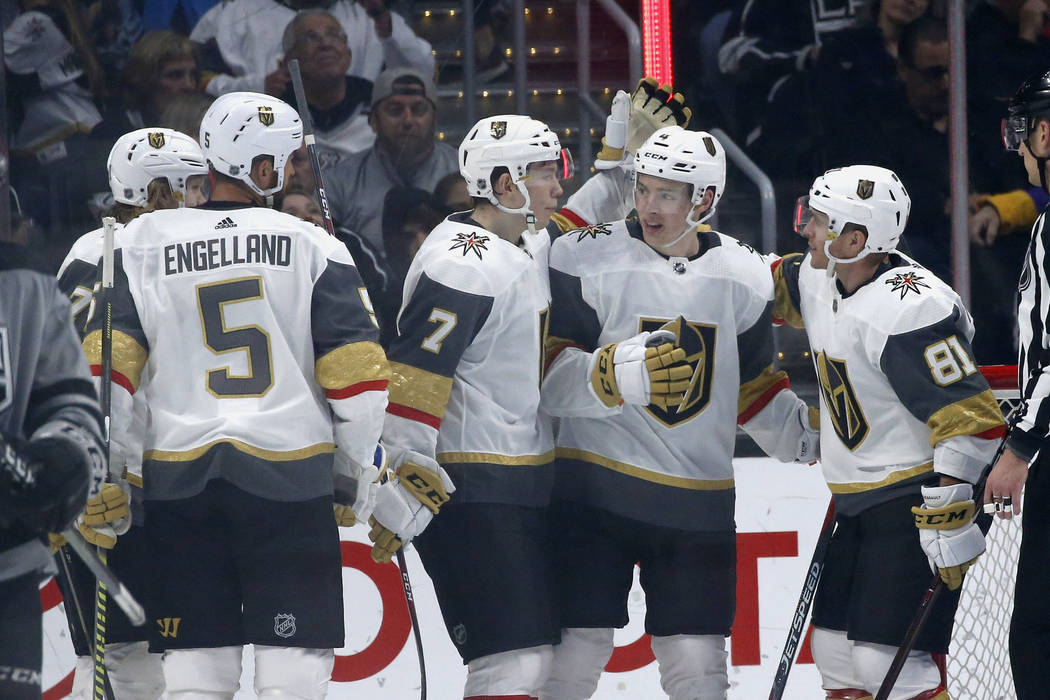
(284,625)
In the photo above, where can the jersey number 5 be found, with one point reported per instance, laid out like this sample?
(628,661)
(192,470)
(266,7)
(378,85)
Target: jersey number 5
(212,299)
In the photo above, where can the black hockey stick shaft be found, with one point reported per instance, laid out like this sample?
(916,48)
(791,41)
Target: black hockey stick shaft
(410,599)
(797,630)
(311,143)
(937,585)
(100,686)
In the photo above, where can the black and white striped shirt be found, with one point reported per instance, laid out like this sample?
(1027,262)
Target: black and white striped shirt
(1032,429)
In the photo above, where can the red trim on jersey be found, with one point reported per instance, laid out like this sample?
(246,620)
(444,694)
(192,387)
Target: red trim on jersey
(415,414)
(995,433)
(847,694)
(355,389)
(763,400)
(61,689)
(115,377)
(573,217)
(563,348)
(50,595)
(500,697)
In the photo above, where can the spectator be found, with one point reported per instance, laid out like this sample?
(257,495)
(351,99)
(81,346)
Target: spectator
(300,203)
(242,40)
(184,113)
(405,153)
(161,66)
(52,113)
(338,102)
(768,40)
(451,193)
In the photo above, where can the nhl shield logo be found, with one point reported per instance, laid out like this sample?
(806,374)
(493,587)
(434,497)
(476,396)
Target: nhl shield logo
(865,188)
(266,116)
(498,129)
(459,634)
(284,625)
(156,139)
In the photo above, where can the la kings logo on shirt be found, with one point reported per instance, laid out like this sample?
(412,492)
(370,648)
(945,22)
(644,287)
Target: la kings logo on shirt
(6,390)
(698,340)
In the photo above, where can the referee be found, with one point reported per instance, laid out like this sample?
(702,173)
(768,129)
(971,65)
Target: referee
(1024,463)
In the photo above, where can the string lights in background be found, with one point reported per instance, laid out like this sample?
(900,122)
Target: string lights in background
(656,40)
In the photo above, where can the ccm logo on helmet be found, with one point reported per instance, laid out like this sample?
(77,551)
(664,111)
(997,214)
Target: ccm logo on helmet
(654,156)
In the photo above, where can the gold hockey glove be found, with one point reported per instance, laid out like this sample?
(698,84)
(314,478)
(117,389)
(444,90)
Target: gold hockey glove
(406,503)
(947,531)
(646,369)
(106,515)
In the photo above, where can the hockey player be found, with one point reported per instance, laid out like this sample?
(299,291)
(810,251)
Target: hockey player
(149,169)
(467,363)
(51,456)
(266,384)
(645,468)
(1024,464)
(907,425)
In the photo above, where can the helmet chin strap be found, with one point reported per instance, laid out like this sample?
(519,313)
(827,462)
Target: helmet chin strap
(690,226)
(525,209)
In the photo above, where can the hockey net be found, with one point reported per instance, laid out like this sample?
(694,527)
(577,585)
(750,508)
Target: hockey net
(979,659)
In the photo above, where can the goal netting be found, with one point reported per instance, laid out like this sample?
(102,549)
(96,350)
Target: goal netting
(979,658)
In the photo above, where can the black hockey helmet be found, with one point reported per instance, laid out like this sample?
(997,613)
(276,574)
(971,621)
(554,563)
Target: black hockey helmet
(1031,101)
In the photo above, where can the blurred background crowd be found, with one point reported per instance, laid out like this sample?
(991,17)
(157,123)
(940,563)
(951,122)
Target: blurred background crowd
(799,85)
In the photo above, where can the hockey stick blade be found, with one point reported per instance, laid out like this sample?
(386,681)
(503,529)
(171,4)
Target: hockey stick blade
(126,601)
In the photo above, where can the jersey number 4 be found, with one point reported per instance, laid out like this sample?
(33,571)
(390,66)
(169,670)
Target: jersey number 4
(212,299)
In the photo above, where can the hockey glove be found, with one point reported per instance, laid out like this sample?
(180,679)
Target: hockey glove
(809,440)
(646,369)
(106,516)
(355,489)
(43,483)
(947,531)
(635,118)
(407,502)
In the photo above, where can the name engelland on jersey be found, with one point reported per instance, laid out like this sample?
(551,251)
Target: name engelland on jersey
(213,253)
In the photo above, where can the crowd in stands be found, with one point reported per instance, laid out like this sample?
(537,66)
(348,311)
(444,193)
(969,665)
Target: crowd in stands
(802,86)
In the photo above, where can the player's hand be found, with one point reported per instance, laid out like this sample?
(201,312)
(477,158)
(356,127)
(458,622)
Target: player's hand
(407,502)
(983,226)
(277,82)
(653,107)
(809,439)
(354,488)
(646,369)
(1005,481)
(947,531)
(615,140)
(106,516)
(43,483)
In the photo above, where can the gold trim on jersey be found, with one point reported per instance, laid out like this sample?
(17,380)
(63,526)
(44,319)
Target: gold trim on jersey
(492,458)
(971,416)
(563,222)
(262,453)
(129,358)
(554,347)
(752,391)
(783,307)
(419,389)
(895,477)
(134,479)
(679,482)
(351,364)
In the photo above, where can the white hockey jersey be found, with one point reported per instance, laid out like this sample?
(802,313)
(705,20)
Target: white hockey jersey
(607,285)
(248,35)
(252,330)
(78,279)
(901,396)
(467,363)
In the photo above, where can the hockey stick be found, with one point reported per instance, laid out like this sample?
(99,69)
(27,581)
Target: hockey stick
(805,600)
(410,599)
(100,687)
(311,147)
(937,585)
(105,576)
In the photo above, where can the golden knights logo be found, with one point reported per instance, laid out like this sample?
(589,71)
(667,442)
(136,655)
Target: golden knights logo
(498,129)
(470,242)
(266,115)
(865,188)
(846,414)
(905,282)
(709,144)
(593,232)
(698,340)
(156,139)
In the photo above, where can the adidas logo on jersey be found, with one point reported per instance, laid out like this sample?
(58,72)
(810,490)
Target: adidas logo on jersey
(226,223)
